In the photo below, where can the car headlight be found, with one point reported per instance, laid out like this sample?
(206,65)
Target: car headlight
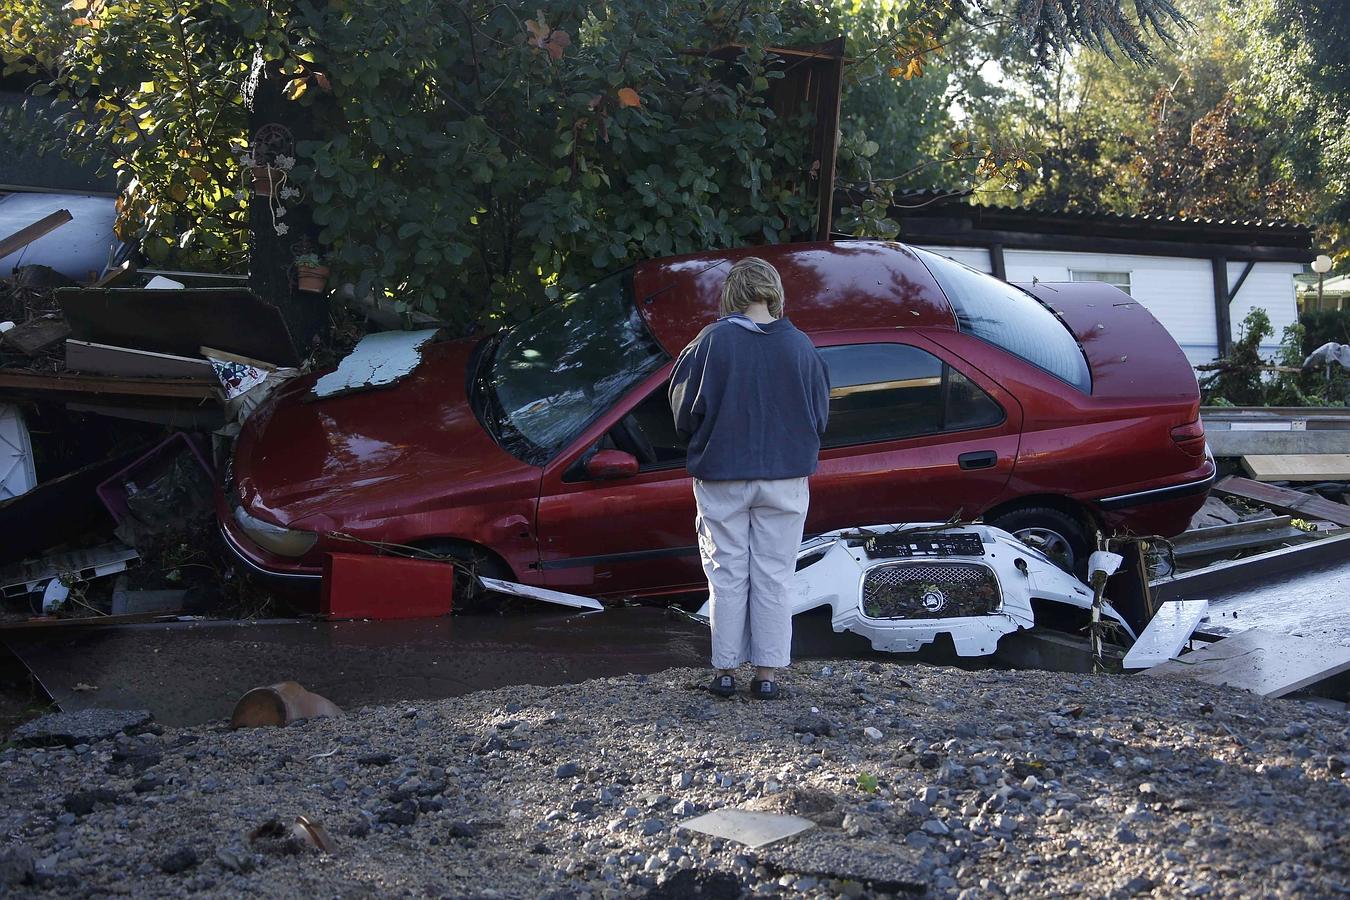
(274,538)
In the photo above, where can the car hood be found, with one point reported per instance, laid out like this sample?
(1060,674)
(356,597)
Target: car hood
(1131,354)
(401,449)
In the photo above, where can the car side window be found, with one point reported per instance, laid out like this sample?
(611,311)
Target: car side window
(653,418)
(884,392)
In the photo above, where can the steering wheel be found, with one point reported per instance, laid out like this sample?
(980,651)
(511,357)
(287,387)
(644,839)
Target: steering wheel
(628,435)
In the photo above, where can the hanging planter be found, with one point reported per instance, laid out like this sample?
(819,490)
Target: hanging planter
(311,275)
(267,180)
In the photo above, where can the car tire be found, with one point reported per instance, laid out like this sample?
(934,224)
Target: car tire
(470,561)
(1055,533)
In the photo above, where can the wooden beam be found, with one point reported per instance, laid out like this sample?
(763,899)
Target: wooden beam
(1285,500)
(25,236)
(1232,295)
(1223,325)
(40,383)
(1298,467)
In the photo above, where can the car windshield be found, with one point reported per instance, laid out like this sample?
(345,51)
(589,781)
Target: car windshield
(1006,317)
(556,373)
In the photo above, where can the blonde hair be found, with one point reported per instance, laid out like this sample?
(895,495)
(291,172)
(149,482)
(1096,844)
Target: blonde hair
(752,280)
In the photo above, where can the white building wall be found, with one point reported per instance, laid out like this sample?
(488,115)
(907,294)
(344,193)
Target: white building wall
(1179,292)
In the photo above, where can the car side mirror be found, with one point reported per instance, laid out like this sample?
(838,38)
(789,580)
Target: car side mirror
(607,465)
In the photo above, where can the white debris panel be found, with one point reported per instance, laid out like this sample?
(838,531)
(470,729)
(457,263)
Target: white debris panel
(378,359)
(900,586)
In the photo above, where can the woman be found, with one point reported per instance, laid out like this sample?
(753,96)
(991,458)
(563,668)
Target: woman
(751,395)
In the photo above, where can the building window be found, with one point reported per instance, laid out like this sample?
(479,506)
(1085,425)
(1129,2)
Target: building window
(1119,279)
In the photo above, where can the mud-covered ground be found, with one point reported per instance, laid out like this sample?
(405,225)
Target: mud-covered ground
(969,784)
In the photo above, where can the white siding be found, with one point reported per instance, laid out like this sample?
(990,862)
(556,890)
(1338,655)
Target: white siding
(975,257)
(1271,287)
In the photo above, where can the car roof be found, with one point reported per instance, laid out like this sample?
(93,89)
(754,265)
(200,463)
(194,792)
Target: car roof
(828,285)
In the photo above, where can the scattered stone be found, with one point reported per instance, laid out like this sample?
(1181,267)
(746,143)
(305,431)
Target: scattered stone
(375,759)
(872,734)
(179,861)
(567,770)
(82,803)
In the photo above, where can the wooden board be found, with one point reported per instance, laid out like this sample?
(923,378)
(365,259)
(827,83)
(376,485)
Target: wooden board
(26,235)
(1168,631)
(105,359)
(180,322)
(1306,506)
(1262,662)
(41,385)
(1300,467)
(36,335)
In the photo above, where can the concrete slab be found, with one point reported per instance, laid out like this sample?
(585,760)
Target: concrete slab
(1265,663)
(750,827)
(1167,632)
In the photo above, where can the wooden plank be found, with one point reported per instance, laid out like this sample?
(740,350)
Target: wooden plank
(38,383)
(1305,506)
(1247,526)
(36,335)
(1167,632)
(26,235)
(116,275)
(105,359)
(1299,467)
(1263,662)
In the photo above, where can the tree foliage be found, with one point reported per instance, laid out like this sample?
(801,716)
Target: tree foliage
(484,158)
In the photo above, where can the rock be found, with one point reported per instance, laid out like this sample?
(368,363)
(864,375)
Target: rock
(235,859)
(17,866)
(652,826)
(1137,885)
(872,734)
(567,770)
(681,781)
(1336,764)
(814,724)
(1295,730)
(375,759)
(404,813)
(685,808)
(936,827)
(85,726)
(179,861)
(694,883)
(82,803)
(462,830)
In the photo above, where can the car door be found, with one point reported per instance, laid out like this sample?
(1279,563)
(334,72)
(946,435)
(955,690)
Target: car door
(916,434)
(625,536)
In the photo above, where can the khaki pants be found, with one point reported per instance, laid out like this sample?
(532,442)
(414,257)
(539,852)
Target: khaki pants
(748,536)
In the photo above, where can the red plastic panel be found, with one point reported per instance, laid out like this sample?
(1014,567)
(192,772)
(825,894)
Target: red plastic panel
(385,587)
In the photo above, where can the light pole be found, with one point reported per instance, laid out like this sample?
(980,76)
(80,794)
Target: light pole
(1321,265)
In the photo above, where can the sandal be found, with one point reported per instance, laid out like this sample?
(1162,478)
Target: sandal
(764,690)
(723,685)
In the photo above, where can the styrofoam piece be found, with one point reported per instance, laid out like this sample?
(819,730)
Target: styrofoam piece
(1262,662)
(537,593)
(834,566)
(750,827)
(1167,632)
(378,359)
(17,473)
(1104,561)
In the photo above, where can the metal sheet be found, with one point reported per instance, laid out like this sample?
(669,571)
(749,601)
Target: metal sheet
(536,593)
(749,827)
(1167,632)
(83,246)
(1262,662)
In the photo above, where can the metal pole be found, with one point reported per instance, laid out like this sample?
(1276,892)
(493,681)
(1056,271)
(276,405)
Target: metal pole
(1319,291)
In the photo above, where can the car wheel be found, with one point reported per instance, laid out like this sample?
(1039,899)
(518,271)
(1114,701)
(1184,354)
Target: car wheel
(1057,534)
(470,562)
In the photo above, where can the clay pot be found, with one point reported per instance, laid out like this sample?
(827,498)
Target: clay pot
(266,179)
(279,704)
(312,278)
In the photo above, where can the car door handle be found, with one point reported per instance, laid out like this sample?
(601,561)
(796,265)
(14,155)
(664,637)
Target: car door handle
(979,459)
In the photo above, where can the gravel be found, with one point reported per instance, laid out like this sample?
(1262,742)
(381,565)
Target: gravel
(986,784)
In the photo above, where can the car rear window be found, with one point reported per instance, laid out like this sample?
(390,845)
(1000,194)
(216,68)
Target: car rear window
(999,313)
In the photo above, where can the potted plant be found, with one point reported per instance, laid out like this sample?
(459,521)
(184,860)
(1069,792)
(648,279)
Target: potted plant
(267,177)
(310,272)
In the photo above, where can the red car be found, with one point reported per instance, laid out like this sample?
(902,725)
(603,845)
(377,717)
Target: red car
(547,453)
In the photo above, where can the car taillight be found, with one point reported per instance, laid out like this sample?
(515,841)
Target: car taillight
(1190,437)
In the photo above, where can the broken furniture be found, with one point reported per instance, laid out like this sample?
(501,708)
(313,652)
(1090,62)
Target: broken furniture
(180,322)
(900,586)
(53,575)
